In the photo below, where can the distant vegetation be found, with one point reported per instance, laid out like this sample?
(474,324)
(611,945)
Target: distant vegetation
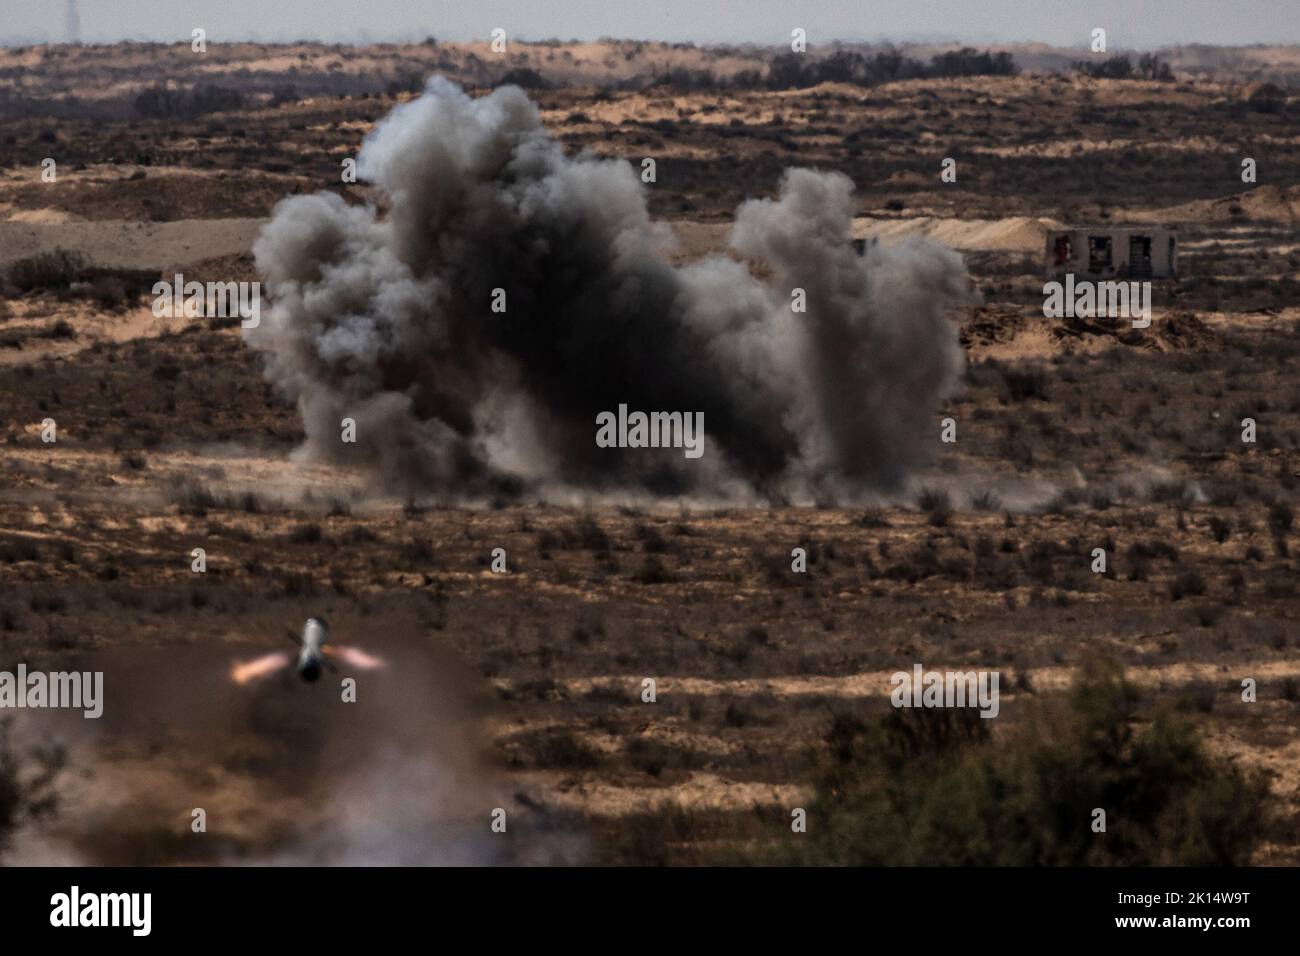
(794,70)
(161,102)
(1148,67)
(788,71)
(525,78)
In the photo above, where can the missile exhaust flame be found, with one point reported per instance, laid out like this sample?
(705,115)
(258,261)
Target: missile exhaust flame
(355,657)
(264,666)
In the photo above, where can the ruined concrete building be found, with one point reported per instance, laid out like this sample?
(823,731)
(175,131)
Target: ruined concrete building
(1110,252)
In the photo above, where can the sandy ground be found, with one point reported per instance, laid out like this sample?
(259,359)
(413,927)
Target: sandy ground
(521,691)
(132,245)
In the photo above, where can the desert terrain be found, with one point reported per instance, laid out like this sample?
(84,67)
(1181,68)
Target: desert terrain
(524,690)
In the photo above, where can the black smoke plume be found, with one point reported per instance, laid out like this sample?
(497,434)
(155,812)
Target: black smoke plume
(387,319)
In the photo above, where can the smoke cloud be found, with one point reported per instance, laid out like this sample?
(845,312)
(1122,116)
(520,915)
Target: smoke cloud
(387,319)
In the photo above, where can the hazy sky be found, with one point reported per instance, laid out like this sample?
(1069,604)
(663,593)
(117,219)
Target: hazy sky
(1129,23)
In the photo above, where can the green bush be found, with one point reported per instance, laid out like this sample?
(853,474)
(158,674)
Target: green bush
(933,787)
